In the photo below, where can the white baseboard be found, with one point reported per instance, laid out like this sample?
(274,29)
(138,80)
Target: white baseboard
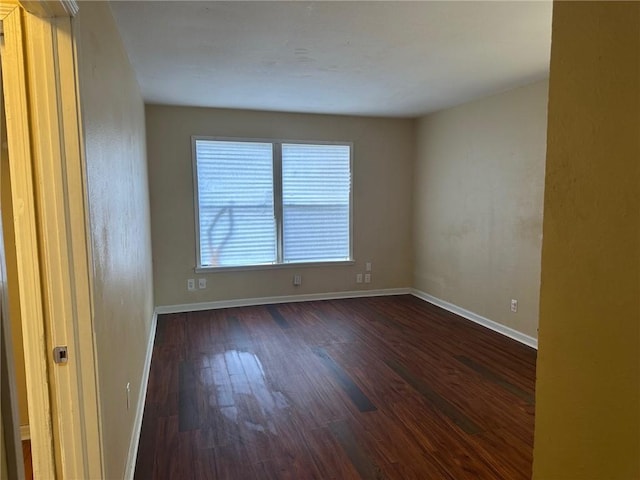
(248,302)
(485,322)
(25,433)
(137,425)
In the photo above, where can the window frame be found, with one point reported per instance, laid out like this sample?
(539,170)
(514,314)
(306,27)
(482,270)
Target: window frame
(277,203)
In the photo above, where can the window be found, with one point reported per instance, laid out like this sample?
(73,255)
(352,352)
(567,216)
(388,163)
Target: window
(267,203)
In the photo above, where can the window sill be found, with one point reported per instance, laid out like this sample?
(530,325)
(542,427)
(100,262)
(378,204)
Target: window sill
(274,266)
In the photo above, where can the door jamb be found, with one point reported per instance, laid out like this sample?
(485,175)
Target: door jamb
(24,215)
(65,426)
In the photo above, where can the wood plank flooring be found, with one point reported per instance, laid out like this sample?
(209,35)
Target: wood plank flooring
(26,456)
(370,388)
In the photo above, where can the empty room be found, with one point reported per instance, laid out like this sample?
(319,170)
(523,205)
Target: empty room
(325,239)
(328,182)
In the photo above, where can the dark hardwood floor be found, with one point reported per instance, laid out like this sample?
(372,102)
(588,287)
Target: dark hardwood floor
(382,387)
(26,456)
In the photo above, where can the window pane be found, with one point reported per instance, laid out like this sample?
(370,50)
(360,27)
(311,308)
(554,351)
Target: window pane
(316,186)
(235,203)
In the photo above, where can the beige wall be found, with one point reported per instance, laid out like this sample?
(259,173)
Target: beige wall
(382,169)
(478,188)
(114,135)
(588,388)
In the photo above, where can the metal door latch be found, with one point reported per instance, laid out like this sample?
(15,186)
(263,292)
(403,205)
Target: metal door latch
(60,354)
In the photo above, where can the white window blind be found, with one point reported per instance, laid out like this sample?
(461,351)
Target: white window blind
(316,189)
(261,202)
(235,203)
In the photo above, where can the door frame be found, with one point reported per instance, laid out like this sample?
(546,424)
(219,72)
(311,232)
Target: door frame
(50,216)
(12,463)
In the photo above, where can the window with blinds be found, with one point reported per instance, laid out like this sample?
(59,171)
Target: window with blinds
(267,203)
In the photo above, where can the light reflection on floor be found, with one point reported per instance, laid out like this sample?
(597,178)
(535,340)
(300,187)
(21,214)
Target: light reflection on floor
(255,391)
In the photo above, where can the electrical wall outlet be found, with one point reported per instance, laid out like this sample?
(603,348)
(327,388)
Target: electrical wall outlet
(367,266)
(514,305)
(297,280)
(358,278)
(202,283)
(367,278)
(191,284)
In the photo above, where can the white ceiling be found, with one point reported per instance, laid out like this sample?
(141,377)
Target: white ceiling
(382,58)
